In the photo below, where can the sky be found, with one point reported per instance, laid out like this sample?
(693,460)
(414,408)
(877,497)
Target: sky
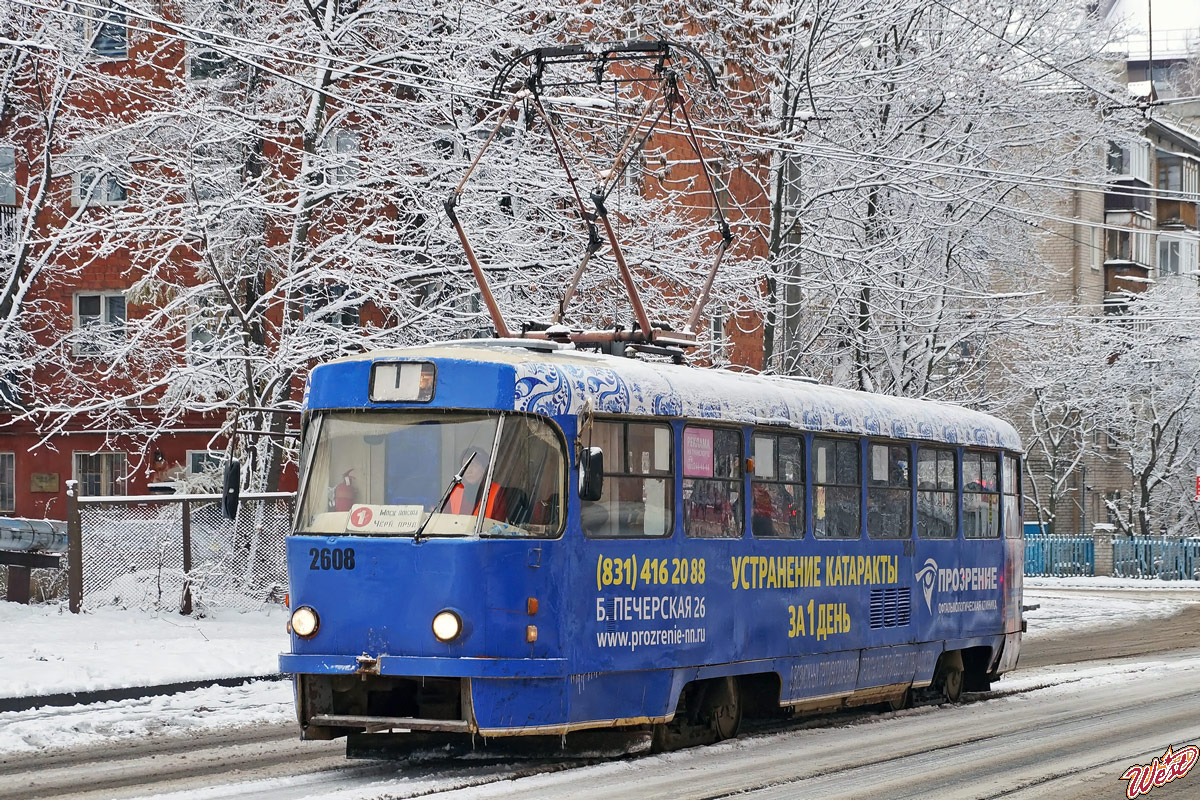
(1173,19)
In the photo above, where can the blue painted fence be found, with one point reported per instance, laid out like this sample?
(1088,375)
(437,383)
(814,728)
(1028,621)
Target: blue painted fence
(1056,554)
(1155,557)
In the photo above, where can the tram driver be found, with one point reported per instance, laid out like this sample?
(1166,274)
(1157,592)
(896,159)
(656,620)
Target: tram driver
(466,497)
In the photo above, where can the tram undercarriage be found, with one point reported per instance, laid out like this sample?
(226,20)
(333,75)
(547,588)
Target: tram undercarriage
(387,716)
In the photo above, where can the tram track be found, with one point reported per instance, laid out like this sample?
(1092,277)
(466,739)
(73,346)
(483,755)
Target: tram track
(268,762)
(924,757)
(274,753)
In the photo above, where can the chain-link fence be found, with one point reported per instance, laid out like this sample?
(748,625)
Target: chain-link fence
(177,552)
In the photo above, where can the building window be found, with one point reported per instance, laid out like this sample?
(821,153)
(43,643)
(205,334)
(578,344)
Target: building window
(204,63)
(777,486)
(343,158)
(716,334)
(937,492)
(8,482)
(8,175)
(639,485)
(202,462)
(330,304)
(981,496)
(8,391)
(889,492)
(1132,161)
(836,513)
(99,323)
(1112,508)
(1170,172)
(712,482)
(1128,245)
(204,327)
(1177,256)
(100,474)
(215,173)
(104,30)
(96,186)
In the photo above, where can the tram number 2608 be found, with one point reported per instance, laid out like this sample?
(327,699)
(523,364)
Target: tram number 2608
(331,558)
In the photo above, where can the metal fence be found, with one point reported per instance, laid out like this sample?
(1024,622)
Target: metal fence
(177,552)
(1055,554)
(1156,557)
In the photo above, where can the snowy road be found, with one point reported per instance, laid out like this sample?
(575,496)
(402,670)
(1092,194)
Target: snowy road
(1067,724)
(1062,732)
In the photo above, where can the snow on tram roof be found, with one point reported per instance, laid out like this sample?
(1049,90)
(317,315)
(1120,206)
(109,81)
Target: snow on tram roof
(558,379)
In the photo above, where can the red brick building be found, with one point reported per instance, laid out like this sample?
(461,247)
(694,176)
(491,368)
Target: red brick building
(83,285)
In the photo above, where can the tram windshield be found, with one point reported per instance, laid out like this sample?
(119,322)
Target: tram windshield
(393,473)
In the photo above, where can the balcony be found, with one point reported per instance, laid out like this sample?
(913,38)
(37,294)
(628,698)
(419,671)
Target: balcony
(1127,196)
(1175,213)
(1125,277)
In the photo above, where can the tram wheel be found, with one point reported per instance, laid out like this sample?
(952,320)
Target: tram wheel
(952,684)
(723,708)
(901,702)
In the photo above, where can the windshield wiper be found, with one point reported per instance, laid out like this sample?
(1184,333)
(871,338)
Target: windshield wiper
(454,481)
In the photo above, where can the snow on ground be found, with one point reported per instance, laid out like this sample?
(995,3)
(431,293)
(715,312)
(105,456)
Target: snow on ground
(178,715)
(45,650)
(48,650)
(1068,604)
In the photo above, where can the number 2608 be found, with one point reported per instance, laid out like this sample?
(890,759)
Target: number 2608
(331,558)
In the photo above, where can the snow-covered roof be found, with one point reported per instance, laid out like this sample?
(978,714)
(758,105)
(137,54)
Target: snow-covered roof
(562,380)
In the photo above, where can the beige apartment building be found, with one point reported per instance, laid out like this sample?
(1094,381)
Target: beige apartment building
(1140,230)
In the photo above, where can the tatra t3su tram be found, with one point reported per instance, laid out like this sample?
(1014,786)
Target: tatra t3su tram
(515,537)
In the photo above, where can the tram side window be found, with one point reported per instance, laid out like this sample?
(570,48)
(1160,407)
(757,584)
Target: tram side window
(639,485)
(981,496)
(937,512)
(1013,527)
(889,492)
(777,486)
(712,482)
(836,489)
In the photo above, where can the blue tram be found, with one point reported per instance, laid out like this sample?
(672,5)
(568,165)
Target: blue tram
(511,537)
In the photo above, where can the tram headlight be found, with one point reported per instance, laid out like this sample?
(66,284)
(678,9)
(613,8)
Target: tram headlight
(305,622)
(447,626)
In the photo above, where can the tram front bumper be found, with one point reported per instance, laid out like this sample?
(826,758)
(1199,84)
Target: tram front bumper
(426,666)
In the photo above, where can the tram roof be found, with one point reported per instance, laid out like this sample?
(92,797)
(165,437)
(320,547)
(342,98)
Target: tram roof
(558,379)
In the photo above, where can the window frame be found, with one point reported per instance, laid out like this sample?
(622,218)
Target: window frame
(344,165)
(939,489)
(908,489)
(216,457)
(317,299)
(626,473)
(8,480)
(1011,497)
(94,21)
(817,485)
(107,330)
(994,531)
(8,174)
(737,510)
(777,436)
(88,177)
(119,485)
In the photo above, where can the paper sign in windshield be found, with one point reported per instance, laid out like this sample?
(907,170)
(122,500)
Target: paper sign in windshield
(698,452)
(384,519)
